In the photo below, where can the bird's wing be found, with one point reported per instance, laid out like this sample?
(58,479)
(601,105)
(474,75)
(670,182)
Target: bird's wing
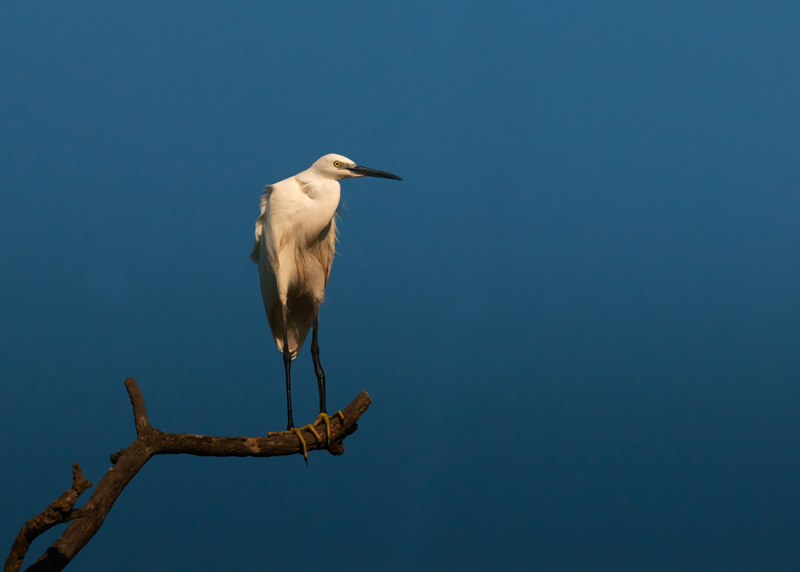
(324,247)
(264,231)
(265,255)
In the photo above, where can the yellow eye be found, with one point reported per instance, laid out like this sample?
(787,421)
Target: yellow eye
(337,164)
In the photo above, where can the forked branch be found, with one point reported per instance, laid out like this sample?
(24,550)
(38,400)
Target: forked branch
(88,519)
(59,511)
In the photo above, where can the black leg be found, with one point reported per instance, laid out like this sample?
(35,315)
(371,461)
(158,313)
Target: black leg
(317,366)
(287,363)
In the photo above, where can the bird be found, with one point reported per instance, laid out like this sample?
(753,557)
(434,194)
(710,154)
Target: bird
(295,238)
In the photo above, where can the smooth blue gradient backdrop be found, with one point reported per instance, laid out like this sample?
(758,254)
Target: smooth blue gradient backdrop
(578,315)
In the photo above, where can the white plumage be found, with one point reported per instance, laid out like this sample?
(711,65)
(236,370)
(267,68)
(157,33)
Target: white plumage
(294,248)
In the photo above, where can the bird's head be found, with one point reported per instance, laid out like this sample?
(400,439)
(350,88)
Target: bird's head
(336,167)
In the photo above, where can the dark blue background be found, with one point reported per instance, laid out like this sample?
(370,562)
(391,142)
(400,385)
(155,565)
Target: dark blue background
(578,315)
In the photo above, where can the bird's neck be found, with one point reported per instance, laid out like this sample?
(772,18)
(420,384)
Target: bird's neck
(319,189)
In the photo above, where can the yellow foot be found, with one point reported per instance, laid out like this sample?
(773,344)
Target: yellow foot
(323,417)
(299,434)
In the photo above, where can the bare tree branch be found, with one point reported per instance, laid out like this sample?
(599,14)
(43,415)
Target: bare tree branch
(140,420)
(149,442)
(59,511)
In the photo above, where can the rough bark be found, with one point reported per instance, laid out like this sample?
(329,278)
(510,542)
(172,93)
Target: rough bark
(87,520)
(59,511)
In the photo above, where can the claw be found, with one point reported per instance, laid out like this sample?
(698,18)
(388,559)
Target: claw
(299,434)
(324,417)
(313,431)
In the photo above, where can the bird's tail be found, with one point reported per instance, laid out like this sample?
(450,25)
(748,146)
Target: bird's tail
(301,316)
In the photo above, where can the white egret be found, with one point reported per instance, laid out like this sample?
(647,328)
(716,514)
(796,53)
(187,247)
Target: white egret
(294,248)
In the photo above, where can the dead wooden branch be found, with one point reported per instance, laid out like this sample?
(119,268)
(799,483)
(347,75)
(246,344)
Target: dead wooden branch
(87,520)
(59,511)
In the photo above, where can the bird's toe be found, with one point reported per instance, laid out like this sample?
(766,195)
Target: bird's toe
(299,433)
(325,418)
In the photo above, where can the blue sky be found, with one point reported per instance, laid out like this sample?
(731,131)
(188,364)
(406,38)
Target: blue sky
(577,315)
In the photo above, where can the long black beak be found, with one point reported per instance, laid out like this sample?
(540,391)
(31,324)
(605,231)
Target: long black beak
(364,172)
